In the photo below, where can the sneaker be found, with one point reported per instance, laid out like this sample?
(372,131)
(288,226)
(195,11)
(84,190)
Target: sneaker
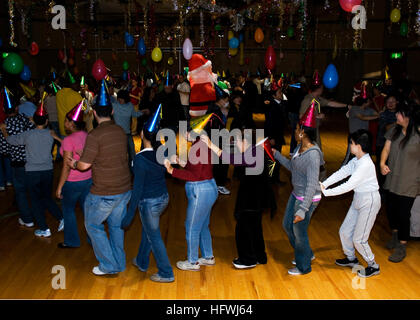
(134,261)
(346,262)
(206,262)
(43,233)
(98,272)
(61,226)
(28,225)
(294,272)
(156,277)
(2,188)
(188,266)
(239,265)
(368,272)
(223,190)
(398,254)
(294,262)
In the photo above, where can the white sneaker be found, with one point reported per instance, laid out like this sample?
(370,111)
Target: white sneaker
(294,262)
(98,271)
(294,272)
(223,190)
(188,266)
(207,262)
(28,225)
(43,233)
(61,226)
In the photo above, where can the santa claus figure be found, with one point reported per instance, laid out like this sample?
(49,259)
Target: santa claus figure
(202,81)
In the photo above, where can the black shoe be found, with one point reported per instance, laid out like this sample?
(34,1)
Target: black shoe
(62,245)
(346,262)
(368,272)
(239,265)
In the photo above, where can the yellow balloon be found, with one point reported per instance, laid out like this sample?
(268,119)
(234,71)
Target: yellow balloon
(156,54)
(233,52)
(259,35)
(170,61)
(395,15)
(230,34)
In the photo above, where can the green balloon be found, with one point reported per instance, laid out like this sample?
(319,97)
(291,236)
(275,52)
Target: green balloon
(217,27)
(290,32)
(404,29)
(13,63)
(222,85)
(144,62)
(126,65)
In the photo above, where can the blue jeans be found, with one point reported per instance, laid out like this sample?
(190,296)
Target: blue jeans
(73,192)
(151,240)
(5,170)
(40,185)
(112,209)
(298,233)
(20,186)
(201,197)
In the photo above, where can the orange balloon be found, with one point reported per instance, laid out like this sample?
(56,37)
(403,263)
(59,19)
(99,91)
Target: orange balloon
(259,35)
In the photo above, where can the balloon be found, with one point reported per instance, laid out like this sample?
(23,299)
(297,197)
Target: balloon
(170,61)
(241,54)
(34,48)
(347,5)
(270,58)
(61,55)
(290,32)
(241,37)
(395,15)
(71,61)
(129,39)
(230,34)
(125,65)
(141,47)
(144,62)
(233,52)
(99,70)
(125,76)
(217,27)
(13,63)
(259,35)
(187,49)
(25,75)
(156,54)
(1,42)
(233,43)
(404,29)
(330,78)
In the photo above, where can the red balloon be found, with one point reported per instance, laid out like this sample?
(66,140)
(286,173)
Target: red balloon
(71,52)
(34,48)
(60,54)
(347,5)
(99,70)
(270,58)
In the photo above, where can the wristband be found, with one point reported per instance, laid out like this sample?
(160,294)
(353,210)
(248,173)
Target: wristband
(75,165)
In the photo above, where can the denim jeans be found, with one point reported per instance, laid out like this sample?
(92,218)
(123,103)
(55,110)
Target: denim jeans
(20,186)
(201,197)
(298,233)
(73,192)
(40,185)
(151,240)
(112,209)
(5,170)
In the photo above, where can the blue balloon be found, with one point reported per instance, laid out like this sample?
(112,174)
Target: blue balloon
(125,76)
(129,39)
(141,47)
(1,42)
(241,37)
(233,43)
(330,78)
(25,75)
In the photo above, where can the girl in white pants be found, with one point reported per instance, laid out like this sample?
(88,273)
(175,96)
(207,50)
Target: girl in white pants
(355,230)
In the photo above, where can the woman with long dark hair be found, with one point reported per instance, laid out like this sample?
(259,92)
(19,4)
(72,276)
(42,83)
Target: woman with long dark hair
(400,163)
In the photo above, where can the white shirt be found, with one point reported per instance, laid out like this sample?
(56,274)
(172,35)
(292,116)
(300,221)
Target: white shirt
(363,177)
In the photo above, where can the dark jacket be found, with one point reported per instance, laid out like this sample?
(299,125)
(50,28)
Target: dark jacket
(170,108)
(276,120)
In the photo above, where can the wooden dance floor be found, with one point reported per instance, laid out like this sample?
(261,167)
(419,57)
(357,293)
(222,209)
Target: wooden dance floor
(26,261)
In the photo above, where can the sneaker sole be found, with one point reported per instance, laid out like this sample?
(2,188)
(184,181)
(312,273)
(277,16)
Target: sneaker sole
(42,236)
(241,266)
(347,265)
(206,264)
(294,262)
(373,274)
(184,269)
(295,274)
(162,280)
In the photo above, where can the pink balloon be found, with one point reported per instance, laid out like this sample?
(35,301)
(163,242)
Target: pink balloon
(187,49)
(99,70)
(270,58)
(347,5)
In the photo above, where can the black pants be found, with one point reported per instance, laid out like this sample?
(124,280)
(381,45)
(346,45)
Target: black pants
(398,210)
(220,172)
(184,113)
(276,172)
(249,238)
(381,178)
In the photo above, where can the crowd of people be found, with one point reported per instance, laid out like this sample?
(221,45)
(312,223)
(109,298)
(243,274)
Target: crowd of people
(106,142)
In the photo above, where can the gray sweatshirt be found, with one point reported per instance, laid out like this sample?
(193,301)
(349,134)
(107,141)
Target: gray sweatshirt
(38,144)
(305,175)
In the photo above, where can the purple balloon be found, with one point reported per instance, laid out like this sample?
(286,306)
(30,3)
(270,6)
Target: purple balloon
(187,49)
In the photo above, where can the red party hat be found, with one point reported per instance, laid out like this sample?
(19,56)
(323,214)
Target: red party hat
(41,111)
(308,119)
(265,143)
(316,79)
(76,114)
(363,93)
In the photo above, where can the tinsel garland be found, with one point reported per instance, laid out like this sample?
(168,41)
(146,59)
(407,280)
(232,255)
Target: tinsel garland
(92,10)
(304,21)
(201,29)
(76,13)
(326,5)
(417,23)
(145,24)
(12,27)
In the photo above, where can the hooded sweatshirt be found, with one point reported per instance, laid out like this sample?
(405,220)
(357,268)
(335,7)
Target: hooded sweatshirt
(305,175)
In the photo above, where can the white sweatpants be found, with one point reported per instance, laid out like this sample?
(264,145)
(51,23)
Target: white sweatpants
(356,227)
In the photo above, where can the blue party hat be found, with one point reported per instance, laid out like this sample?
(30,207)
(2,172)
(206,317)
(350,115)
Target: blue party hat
(8,105)
(153,124)
(168,81)
(103,98)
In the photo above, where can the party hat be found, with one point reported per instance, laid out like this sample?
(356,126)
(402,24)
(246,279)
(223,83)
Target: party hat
(29,91)
(280,82)
(316,79)
(221,93)
(103,98)
(156,77)
(41,110)
(186,70)
(168,81)
(199,123)
(8,105)
(308,119)
(295,85)
(387,76)
(223,74)
(54,87)
(71,78)
(363,93)
(379,84)
(76,113)
(265,143)
(218,74)
(82,81)
(153,124)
